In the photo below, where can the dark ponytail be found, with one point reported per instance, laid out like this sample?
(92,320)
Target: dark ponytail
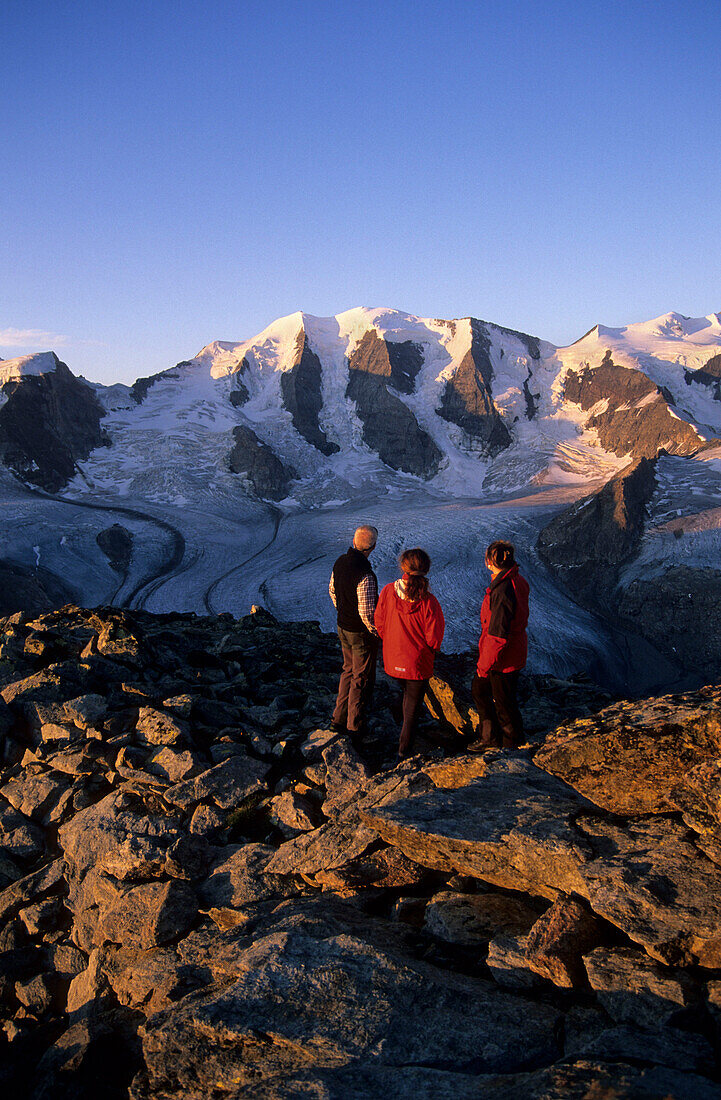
(501,555)
(415,564)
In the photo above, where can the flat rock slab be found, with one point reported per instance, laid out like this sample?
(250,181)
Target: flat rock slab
(661,1046)
(630,757)
(32,886)
(238,877)
(473,919)
(327,848)
(634,989)
(652,882)
(227,784)
(522,829)
(512,827)
(334,1001)
(345,775)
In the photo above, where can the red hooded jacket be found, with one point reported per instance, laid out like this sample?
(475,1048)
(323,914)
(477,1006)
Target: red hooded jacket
(412,632)
(503,646)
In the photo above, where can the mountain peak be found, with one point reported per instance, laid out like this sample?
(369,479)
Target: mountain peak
(41,362)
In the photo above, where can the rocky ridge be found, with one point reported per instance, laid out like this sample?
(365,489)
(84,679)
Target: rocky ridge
(586,548)
(205,892)
(48,421)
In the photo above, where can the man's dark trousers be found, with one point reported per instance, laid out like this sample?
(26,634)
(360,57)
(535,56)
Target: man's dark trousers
(357,678)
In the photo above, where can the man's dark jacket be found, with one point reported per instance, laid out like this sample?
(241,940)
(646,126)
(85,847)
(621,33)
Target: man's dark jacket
(348,572)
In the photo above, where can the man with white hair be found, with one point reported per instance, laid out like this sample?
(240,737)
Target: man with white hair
(354,591)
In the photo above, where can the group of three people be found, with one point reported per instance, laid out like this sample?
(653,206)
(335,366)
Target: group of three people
(409,621)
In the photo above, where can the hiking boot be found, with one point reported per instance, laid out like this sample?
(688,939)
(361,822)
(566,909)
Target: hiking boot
(482,746)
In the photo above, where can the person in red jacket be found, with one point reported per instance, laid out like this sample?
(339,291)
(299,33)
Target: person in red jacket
(502,652)
(410,622)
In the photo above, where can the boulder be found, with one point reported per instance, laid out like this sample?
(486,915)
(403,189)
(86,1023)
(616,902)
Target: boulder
(154,727)
(36,794)
(636,758)
(345,775)
(472,920)
(293,813)
(227,784)
(324,849)
(653,883)
(36,994)
(44,917)
(239,877)
(325,1001)
(149,914)
(512,827)
(207,821)
(36,885)
(86,711)
(93,1057)
(110,837)
(150,980)
(560,937)
(173,765)
(387,869)
(634,989)
(87,986)
(19,836)
(508,964)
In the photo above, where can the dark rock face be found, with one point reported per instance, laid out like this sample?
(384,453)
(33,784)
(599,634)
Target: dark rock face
(406,359)
(389,426)
(205,891)
(676,610)
(586,548)
(47,423)
(637,419)
(587,544)
(302,397)
(708,375)
(116,543)
(33,590)
(268,476)
(139,388)
(239,393)
(467,399)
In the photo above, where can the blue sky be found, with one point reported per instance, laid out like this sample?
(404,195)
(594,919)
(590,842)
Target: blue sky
(176,173)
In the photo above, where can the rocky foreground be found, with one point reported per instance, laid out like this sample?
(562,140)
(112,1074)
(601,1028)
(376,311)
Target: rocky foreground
(206,893)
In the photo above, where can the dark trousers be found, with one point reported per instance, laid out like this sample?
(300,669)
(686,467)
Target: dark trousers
(357,678)
(406,711)
(495,697)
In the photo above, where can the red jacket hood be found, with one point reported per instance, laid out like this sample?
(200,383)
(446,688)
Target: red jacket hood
(405,606)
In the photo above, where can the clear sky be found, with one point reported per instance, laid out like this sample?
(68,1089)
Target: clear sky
(180,172)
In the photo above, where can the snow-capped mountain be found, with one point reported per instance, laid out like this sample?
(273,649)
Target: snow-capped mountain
(239,473)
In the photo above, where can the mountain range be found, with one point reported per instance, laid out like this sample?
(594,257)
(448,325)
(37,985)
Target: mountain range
(236,477)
